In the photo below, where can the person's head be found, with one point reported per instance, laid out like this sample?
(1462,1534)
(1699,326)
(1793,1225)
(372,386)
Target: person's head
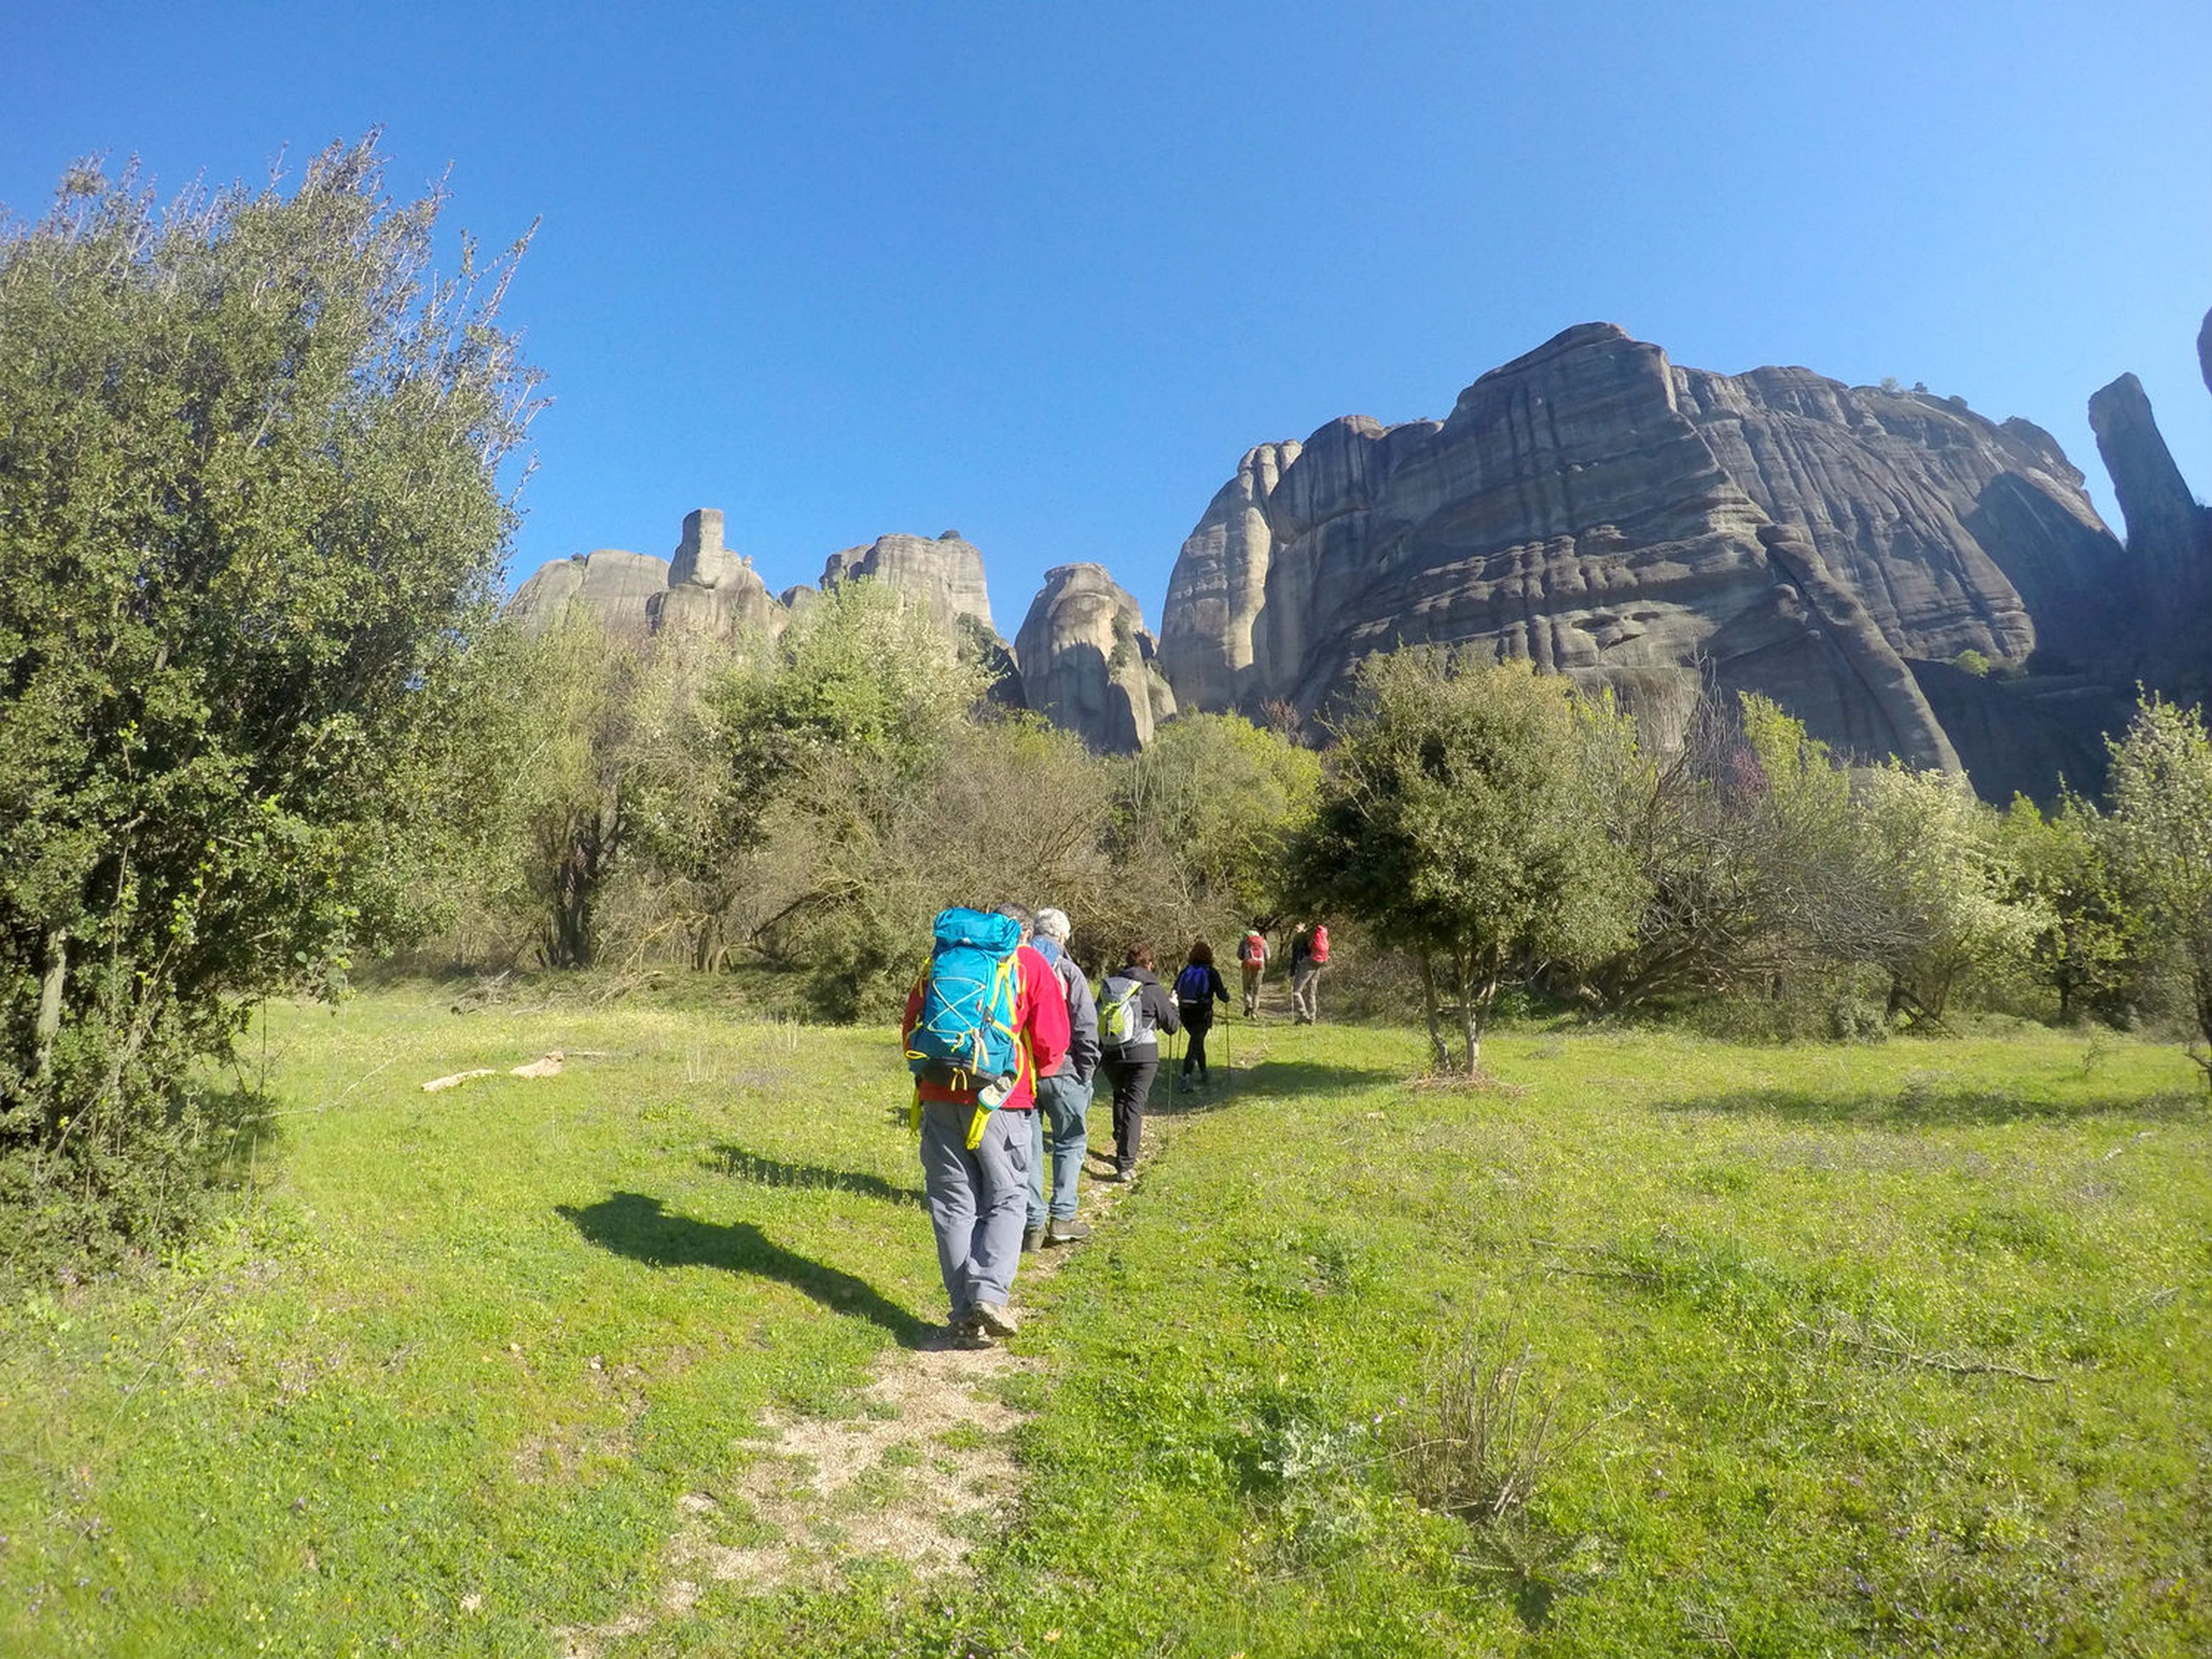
(1202,955)
(1021,915)
(1140,956)
(1053,925)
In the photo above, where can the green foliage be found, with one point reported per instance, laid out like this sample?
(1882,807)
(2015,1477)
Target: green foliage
(2159,841)
(2088,950)
(1204,821)
(1460,819)
(250,517)
(1957,907)
(1757,875)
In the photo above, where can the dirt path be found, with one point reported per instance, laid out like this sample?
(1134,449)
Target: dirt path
(924,1471)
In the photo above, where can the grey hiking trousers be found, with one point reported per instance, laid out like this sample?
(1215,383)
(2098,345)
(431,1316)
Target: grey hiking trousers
(975,1200)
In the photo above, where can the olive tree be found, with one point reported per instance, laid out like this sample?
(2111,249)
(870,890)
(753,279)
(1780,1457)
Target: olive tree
(1460,819)
(251,514)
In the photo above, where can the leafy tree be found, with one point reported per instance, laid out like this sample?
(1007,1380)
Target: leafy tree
(2088,948)
(2159,839)
(1956,907)
(1205,817)
(585,742)
(832,751)
(1756,873)
(1461,821)
(250,517)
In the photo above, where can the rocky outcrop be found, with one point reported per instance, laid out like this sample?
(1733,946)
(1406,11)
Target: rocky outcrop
(712,592)
(1607,515)
(613,587)
(945,575)
(2168,534)
(1087,662)
(702,589)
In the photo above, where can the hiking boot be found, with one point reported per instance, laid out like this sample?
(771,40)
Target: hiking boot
(1068,1231)
(1033,1240)
(965,1332)
(1125,1174)
(996,1321)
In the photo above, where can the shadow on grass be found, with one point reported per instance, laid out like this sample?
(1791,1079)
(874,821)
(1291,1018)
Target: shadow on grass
(762,1171)
(631,1224)
(1932,1104)
(1268,1080)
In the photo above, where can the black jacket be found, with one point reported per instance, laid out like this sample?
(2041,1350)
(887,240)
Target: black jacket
(1155,1014)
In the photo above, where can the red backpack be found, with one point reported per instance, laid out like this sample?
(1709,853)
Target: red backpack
(1319,949)
(1252,953)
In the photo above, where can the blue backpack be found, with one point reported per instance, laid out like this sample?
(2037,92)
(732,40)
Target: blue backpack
(964,1036)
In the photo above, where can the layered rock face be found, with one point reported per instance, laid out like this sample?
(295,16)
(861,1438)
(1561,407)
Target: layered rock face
(712,592)
(2169,533)
(945,575)
(1086,661)
(701,588)
(706,587)
(1595,509)
(611,585)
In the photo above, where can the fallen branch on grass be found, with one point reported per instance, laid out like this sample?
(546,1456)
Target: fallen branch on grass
(548,1065)
(1899,1348)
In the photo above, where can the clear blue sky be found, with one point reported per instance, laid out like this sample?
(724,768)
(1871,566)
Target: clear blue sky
(1042,272)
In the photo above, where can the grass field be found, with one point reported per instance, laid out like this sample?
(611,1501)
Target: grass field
(1893,1349)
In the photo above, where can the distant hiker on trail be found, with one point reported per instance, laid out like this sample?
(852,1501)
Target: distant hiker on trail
(986,1017)
(1198,987)
(1309,953)
(1252,958)
(1133,1011)
(1061,1122)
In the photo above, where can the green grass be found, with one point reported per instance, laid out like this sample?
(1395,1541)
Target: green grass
(440,1384)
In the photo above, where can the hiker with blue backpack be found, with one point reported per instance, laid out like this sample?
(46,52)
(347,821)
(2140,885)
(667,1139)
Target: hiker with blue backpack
(1061,1123)
(986,1018)
(1198,987)
(1133,1010)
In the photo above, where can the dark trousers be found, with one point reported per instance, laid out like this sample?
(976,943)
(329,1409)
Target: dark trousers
(1194,1033)
(1132,1084)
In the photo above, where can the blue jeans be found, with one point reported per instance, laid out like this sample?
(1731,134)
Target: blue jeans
(1062,1124)
(975,1201)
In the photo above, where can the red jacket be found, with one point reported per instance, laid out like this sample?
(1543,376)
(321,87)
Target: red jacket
(1040,1027)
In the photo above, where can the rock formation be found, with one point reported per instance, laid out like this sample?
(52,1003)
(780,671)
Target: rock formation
(711,591)
(1610,516)
(705,587)
(1086,661)
(612,585)
(945,575)
(2168,534)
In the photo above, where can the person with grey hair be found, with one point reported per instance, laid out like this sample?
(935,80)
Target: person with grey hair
(1061,1123)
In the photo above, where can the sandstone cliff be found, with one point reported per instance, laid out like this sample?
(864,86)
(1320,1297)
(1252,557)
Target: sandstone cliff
(1610,516)
(703,588)
(612,585)
(1086,661)
(706,587)
(945,575)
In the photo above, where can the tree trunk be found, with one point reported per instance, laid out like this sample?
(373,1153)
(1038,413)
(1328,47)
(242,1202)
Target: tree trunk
(1471,1012)
(1440,1057)
(49,1001)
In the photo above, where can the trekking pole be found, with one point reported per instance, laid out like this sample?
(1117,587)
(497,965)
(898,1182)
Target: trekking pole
(1228,1053)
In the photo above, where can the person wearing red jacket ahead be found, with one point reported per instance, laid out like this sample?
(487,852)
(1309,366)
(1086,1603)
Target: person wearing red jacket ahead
(977,1198)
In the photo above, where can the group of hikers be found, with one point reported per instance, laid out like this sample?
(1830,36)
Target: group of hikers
(1006,1038)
